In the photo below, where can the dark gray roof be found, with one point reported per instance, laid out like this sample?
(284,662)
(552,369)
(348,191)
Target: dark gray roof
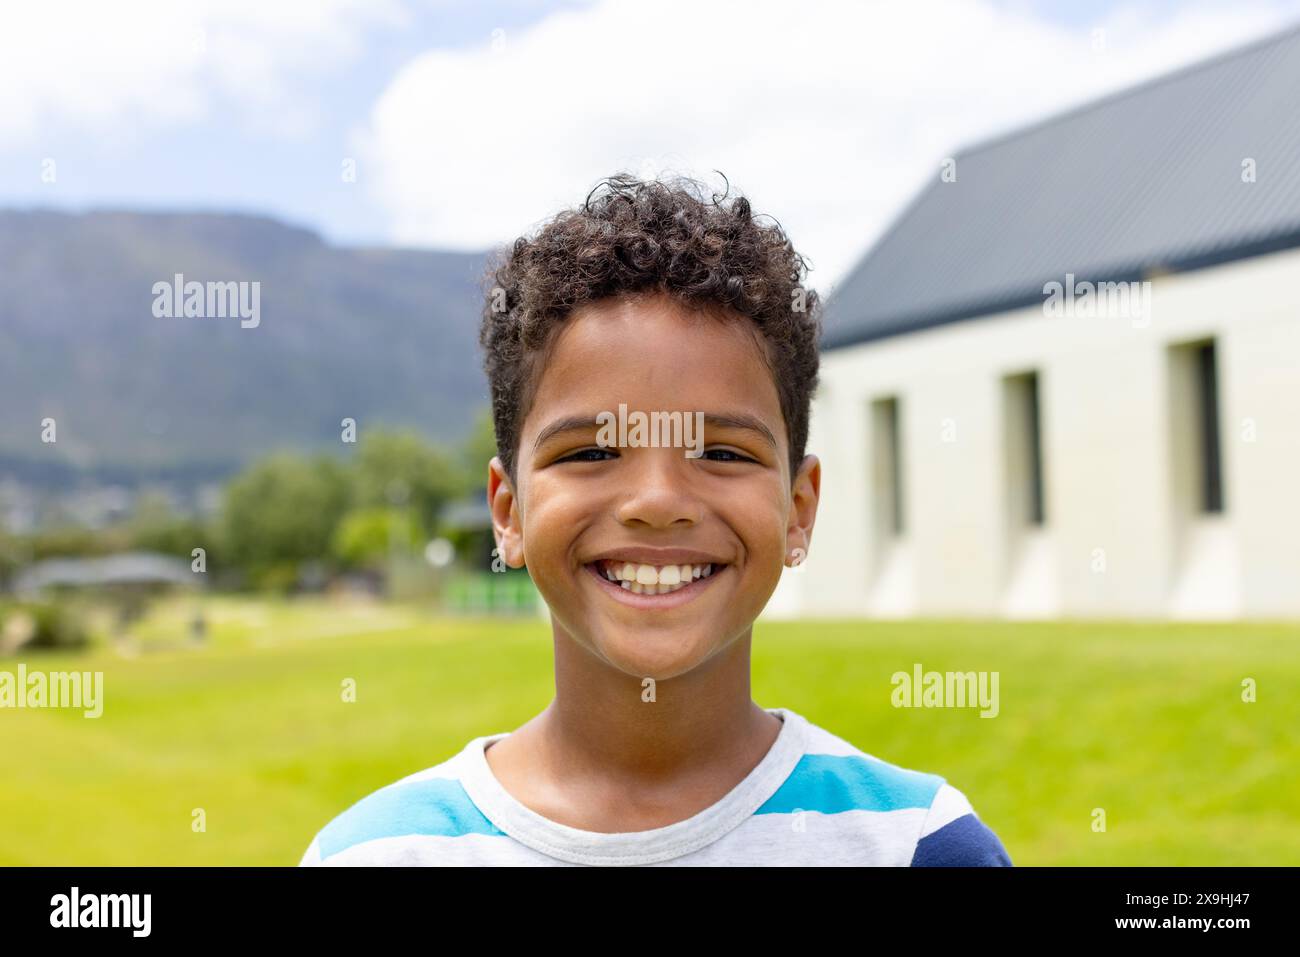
(127,568)
(1145,180)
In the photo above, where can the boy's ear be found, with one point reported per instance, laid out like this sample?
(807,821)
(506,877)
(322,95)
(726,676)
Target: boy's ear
(804,493)
(506,525)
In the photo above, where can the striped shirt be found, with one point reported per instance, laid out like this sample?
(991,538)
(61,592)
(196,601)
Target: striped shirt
(814,799)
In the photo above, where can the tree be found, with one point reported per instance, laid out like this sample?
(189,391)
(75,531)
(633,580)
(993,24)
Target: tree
(367,536)
(282,512)
(401,469)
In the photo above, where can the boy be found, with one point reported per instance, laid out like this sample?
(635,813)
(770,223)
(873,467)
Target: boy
(654,562)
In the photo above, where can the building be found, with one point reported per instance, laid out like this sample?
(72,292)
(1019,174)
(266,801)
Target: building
(143,571)
(1066,381)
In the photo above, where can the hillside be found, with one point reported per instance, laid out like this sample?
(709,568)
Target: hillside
(382,336)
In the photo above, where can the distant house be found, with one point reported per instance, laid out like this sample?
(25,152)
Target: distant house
(135,570)
(1066,381)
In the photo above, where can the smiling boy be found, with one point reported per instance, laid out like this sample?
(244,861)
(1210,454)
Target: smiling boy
(654,564)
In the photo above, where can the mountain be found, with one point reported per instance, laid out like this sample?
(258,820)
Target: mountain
(383,336)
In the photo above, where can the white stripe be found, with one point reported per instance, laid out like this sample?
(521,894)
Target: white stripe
(810,839)
(821,741)
(948,805)
(813,839)
(450,769)
(312,857)
(440,850)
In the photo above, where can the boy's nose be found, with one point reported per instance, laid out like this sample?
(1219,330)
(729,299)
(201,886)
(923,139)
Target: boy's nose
(660,490)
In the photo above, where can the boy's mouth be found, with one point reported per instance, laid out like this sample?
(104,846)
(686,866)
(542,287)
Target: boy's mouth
(670,579)
(640,578)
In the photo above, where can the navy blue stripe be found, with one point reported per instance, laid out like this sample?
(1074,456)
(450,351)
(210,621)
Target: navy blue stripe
(965,842)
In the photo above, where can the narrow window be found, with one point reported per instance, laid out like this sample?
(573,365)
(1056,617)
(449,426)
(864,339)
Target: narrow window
(887,468)
(1196,445)
(1024,449)
(1207,428)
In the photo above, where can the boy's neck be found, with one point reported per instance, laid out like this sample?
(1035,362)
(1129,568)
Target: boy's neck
(600,718)
(600,745)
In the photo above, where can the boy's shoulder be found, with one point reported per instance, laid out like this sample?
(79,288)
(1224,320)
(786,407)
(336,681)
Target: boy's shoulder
(934,820)
(379,828)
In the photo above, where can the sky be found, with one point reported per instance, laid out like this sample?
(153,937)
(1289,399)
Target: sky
(460,124)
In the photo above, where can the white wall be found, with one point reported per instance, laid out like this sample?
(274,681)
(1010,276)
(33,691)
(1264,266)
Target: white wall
(1117,542)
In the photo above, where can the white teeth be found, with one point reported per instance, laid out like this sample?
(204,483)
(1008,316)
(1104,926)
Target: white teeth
(653,579)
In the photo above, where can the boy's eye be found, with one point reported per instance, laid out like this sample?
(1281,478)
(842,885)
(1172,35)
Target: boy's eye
(730,455)
(585,455)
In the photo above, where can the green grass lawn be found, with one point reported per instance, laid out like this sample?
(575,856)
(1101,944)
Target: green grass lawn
(1144,721)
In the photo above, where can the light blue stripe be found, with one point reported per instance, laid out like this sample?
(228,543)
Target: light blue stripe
(831,784)
(435,806)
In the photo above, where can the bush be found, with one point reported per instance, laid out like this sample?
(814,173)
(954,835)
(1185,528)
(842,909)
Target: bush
(41,625)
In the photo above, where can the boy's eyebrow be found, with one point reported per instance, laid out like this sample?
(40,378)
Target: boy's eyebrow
(741,420)
(570,423)
(724,420)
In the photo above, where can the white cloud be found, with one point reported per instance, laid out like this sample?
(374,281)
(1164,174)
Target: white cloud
(827,115)
(104,68)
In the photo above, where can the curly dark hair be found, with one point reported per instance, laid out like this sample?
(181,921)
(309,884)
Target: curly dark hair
(634,236)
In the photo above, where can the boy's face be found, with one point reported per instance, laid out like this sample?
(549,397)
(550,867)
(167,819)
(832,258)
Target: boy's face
(580,510)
